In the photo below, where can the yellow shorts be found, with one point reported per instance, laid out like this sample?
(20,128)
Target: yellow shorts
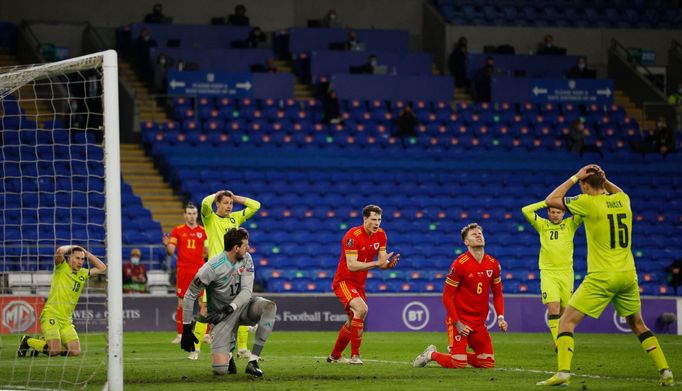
(600,289)
(52,328)
(556,286)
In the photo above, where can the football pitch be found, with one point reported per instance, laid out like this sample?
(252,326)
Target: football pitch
(296,361)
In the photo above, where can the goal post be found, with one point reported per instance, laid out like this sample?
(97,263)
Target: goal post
(46,167)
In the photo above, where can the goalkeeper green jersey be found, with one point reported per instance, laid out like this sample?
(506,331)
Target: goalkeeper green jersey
(217,226)
(556,240)
(608,229)
(65,290)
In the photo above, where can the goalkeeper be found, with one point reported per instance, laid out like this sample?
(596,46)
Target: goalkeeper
(228,280)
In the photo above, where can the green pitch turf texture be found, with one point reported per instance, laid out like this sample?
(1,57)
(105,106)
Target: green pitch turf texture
(296,361)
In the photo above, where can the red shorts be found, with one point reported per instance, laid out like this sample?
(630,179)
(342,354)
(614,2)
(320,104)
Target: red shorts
(182,283)
(347,291)
(478,340)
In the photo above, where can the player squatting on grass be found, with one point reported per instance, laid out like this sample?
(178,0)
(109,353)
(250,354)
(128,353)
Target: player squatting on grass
(228,280)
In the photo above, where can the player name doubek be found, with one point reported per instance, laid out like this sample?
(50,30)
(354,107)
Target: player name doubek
(317,316)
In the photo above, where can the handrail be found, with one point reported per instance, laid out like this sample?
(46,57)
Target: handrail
(676,45)
(92,31)
(624,54)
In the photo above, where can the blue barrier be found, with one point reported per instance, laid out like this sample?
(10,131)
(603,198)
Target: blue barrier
(581,91)
(232,84)
(233,60)
(192,36)
(308,40)
(532,65)
(411,88)
(335,62)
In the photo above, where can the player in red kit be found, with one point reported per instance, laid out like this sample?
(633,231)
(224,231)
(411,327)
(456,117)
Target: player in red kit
(467,287)
(190,240)
(360,247)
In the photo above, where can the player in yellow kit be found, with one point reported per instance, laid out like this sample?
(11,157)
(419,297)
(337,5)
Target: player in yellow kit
(556,258)
(67,285)
(216,225)
(611,275)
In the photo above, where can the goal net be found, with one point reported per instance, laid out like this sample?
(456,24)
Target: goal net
(59,163)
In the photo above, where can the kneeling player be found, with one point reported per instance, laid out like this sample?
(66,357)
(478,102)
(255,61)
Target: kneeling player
(228,280)
(465,296)
(56,324)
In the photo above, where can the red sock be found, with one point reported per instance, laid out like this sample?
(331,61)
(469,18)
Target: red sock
(447,361)
(357,326)
(478,363)
(178,319)
(341,341)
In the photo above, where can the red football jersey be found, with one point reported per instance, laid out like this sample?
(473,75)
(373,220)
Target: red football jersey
(357,242)
(190,245)
(473,281)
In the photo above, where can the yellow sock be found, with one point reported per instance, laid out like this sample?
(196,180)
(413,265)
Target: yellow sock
(565,344)
(242,337)
(553,321)
(649,343)
(37,344)
(199,332)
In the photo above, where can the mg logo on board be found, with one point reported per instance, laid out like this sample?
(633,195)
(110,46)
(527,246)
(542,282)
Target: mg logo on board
(18,316)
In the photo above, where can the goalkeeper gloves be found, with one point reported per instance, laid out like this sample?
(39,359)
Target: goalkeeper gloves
(215,317)
(188,338)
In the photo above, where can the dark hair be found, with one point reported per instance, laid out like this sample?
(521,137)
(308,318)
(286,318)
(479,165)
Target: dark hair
(224,193)
(595,180)
(468,228)
(74,249)
(234,237)
(190,205)
(367,210)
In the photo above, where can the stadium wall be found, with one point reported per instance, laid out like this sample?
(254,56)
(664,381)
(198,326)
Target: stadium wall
(268,14)
(307,312)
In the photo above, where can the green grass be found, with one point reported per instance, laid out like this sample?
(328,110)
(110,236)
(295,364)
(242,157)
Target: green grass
(296,361)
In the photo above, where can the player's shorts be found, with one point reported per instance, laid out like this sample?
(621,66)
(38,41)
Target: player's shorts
(600,289)
(478,340)
(347,291)
(183,280)
(556,286)
(223,333)
(52,328)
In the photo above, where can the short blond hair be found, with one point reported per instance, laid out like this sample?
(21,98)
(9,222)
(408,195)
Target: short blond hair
(468,228)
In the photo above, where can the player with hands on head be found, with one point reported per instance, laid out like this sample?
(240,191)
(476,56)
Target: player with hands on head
(217,223)
(228,280)
(611,274)
(56,322)
(473,275)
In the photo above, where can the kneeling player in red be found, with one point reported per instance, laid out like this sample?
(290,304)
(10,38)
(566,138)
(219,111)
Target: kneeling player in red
(360,246)
(467,287)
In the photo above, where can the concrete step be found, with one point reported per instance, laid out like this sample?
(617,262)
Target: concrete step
(151,199)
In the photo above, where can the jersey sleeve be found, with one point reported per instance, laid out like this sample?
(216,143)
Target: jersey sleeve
(576,221)
(251,207)
(454,276)
(174,236)
(350,244)
(530,215)
(497,273)
(578,205)
(382,242)
(207,208)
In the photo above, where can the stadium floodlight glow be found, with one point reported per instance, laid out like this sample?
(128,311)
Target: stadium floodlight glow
(61,185)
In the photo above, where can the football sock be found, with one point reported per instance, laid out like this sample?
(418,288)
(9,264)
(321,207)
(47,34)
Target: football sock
(267,311)
(357,327)
(475,362)
(447,361)
(341,341)
(565,344)
(649,343)
(199,331)
(242,337)
(37,343)
(553,321)
(178,317)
